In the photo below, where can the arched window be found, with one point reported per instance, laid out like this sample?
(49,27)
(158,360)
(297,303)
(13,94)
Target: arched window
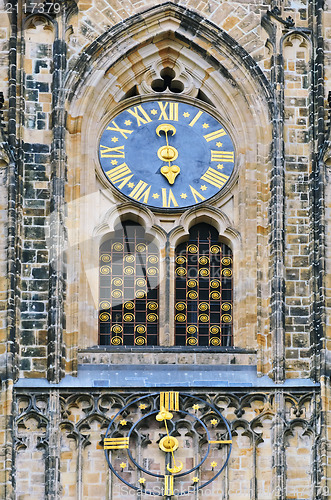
(203,290)
(129,292)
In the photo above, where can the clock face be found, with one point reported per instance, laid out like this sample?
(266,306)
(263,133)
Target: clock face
(166,154)
(168,443)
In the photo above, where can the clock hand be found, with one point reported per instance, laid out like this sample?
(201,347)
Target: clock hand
(169,443)
(168,153)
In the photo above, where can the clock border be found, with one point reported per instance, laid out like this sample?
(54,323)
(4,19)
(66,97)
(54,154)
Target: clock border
(131,101)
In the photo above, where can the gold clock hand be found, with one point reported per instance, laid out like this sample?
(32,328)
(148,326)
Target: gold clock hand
(169,443)
(168,153)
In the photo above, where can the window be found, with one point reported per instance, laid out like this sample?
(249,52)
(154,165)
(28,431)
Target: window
(203,290)
(129,293)
(129,289)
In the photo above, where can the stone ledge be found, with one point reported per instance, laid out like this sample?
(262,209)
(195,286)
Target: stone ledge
(166,356)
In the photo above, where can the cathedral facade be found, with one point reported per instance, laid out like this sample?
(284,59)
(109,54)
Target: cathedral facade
(165,264)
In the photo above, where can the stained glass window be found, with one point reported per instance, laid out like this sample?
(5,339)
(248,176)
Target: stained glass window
(129,288)
(203,290)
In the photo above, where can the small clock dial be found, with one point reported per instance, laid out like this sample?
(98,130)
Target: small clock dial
(168,441)
(166,154)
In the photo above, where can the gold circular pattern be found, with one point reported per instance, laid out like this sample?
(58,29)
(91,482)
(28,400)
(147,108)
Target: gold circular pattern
(129,305)
(140,294)
(152,306)
(226,306)
(152,271)
(180,318)
(227,273)
(191,330)
(215,341)
(140,341)
(140,329)
(129,271)
(215,284)
(128,317)
(105,257)
(215,249)
(141,247)
(117,329)
(180,306)
(104,317)
(226,261)
(203,306)
(169,444)
(192,283)
(129,258)
(153,259)
(181,271)
(214,330)
(192,249)
(203,260)
(204,318)
(192,341)
(226,318)
(116,341)
(180,260)
(117,282)
(215,295)
(204,272)
(118,247)
(151,317)
(192,295)
(105,270)
(116,294)
(140,282)
(104,304)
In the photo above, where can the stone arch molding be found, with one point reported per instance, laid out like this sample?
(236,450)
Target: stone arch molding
(130,56)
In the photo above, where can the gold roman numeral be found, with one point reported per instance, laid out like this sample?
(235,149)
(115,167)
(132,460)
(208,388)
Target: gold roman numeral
(227,441)
(141,118)
(172,110)
(196,118)
(215,135)
(197,195)
(141,191)
(225,156)
(168,485)
(214,177)
(166,201)
(122,131)
(120,443)
(169,401)
(120,174)
(117,152)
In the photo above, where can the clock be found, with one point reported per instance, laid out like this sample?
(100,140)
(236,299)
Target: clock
(167,444)
(167,154)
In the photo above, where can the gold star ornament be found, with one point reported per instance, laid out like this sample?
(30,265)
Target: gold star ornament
(205,125)
(213,464)
(142,480)
(142,406)
(186,114)
(153,112)
(123,465)
(195,479)
(195,407)
(123,422)
(184,196)
(114,139)
(214,421)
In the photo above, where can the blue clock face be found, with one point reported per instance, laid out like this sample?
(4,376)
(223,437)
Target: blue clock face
(166,154)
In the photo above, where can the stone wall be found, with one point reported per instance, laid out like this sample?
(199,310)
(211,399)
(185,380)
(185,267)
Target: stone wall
(64,72)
